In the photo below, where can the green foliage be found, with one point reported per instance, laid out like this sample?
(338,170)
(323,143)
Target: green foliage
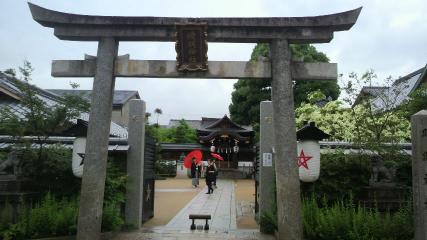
(111,219)
(52,217)
(248,93)
(166,168)
(268,222)
(345,175)
(341,175)
(48,218)
(360,124)
(115,185)
(6,215)
(39,119)
(332,118)
(344,220)
(417,101)
(372,125)
(179,134)
(50,171)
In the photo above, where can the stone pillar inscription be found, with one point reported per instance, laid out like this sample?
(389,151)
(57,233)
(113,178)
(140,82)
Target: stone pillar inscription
(95,167)
(419,173)
(287,181)
(266,165)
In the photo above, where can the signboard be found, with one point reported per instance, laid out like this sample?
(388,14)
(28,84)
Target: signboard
(191,47)
(267,160)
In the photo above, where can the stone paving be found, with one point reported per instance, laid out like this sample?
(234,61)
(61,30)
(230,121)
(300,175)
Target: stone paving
(220,205)
(162,233)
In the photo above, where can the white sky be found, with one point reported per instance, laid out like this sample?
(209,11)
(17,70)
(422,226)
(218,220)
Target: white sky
(389,37)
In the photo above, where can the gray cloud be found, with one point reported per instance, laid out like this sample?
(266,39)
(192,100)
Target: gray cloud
(388,37)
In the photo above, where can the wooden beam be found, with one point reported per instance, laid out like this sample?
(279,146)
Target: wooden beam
(216,69)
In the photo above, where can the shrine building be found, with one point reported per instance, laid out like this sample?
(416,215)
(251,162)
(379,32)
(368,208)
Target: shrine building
(234,143)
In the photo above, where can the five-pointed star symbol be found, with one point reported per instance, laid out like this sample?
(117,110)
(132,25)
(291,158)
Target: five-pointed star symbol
(148,192)
(303,159)
(82,155)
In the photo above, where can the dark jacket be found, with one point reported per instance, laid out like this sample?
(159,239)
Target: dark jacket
(195,168)
(210,173)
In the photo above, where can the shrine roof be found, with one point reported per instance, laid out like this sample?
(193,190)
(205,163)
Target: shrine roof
(221,124)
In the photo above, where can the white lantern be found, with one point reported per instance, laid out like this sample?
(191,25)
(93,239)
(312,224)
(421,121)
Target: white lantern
(79,148)
(308,157)
(212,148)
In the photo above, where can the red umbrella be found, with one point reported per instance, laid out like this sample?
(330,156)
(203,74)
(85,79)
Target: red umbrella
(197,154)
(217,156)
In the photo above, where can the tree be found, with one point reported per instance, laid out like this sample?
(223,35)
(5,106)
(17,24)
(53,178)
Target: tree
(36,117)
(179,134)
(158,112)
(147,116)
(248,93)
(417,101)
(377,120)
(363,124)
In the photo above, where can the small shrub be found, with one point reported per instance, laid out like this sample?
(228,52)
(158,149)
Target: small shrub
(6,216)
(111,220)
(340,175)
(344,220)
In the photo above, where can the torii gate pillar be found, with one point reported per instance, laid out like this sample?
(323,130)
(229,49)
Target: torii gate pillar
(98,133)
(289,222)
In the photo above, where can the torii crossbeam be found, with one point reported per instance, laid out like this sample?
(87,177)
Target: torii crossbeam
(279,32)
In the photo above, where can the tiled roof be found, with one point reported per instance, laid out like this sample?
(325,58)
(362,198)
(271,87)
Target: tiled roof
(198,124)
(400,90)
(51,99)
(120,96)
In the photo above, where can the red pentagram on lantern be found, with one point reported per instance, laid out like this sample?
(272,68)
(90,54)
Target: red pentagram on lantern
(303,159)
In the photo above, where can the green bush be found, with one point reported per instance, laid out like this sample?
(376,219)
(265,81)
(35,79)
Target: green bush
(166,168)
(340,175)
(52,217)
(344,220)
(50,170)
(111,220)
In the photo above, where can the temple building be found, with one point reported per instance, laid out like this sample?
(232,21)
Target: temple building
(234,143)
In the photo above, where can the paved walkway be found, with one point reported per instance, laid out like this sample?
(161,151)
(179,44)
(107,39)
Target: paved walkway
(220,205)
(162,233)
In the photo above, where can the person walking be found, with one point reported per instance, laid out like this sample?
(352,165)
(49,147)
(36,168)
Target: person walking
(210,175)
(195,173)
(215,174)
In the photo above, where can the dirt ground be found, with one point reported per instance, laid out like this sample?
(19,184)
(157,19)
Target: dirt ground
(174,194)
(245,199)
(168,203)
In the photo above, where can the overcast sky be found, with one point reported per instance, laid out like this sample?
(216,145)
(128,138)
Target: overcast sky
(389,37)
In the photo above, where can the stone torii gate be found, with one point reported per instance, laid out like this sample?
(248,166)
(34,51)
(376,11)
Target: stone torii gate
(108,31)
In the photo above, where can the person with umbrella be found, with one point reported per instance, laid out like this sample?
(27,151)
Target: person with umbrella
(210,175)
(193,162)
(196,170)
(216,156)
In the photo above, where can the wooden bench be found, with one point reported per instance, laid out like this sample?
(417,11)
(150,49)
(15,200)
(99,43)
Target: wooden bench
(193,217)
